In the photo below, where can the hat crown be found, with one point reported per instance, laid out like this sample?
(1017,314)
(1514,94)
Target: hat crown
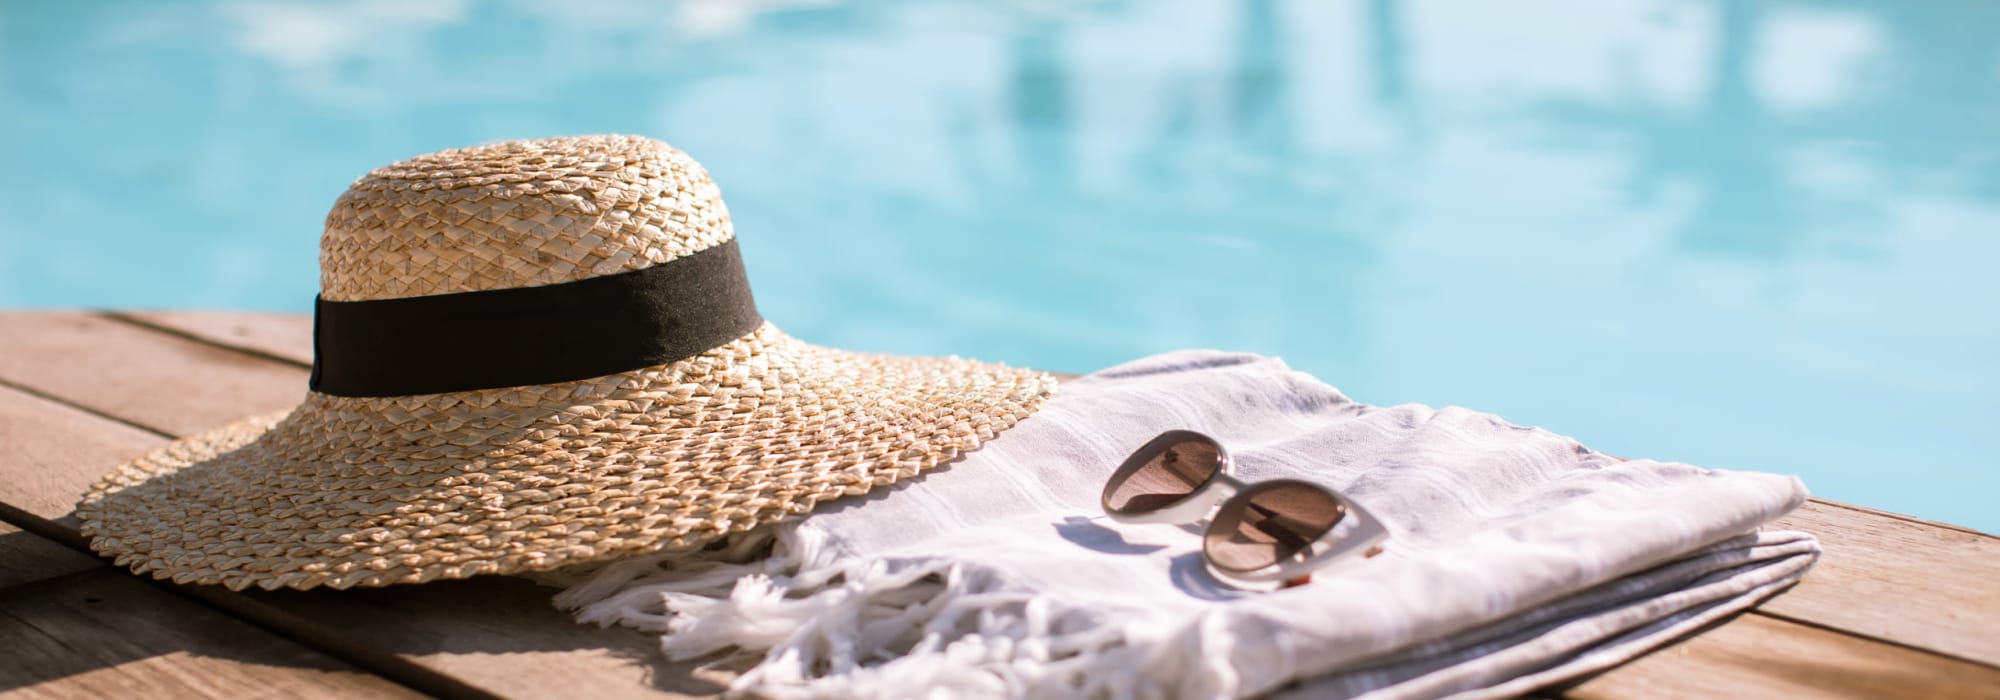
(518,214)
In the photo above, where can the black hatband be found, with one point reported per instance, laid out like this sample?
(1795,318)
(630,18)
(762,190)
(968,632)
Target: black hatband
(533,335)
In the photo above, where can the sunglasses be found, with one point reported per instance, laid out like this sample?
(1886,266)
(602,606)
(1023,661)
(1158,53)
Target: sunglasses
(1267,531)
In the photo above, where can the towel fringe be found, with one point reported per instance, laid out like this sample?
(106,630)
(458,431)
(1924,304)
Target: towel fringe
(841,626)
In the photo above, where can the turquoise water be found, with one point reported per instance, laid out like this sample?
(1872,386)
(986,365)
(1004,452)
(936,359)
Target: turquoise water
(1744,235)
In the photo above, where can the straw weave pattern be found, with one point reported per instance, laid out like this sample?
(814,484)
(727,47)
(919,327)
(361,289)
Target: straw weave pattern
(518,214)
(355,491)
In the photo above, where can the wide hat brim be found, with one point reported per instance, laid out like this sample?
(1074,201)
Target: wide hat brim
(344,491)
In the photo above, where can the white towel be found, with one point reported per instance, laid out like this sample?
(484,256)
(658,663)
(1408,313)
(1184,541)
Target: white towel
(1517,558)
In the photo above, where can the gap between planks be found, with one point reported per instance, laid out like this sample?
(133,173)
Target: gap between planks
(406,633)
(43,395)
(157,326)
(61,535)
(1779,658)
(449,632)
(281,338)
(100,633)
(290,335)
(73,625)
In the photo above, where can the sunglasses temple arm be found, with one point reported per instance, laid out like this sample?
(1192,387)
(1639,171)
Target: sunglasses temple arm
(1362,541)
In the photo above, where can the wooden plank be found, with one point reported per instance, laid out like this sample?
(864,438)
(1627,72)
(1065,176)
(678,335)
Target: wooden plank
(1900,580)
(25,557)
(498,636)
(52,452)
(1900,516)
(532,650)
(426,629)
(1756,656)
(122,370)
(1848,603)
(286,337)
(104,634)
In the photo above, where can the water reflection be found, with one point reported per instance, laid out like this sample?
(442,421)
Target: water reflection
(1040,104)
(1755,164)
(1387,56)
(1727,144)
(1686,228)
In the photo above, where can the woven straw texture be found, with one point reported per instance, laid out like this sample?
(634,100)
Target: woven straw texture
(345,491)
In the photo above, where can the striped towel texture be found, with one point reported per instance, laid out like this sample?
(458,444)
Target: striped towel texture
(1518,558)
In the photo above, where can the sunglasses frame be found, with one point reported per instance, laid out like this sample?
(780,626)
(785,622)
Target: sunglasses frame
(1223,490)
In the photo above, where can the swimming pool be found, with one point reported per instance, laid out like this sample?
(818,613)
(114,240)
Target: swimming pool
(1741,235)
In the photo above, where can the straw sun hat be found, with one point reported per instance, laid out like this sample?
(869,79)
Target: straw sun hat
(530,355)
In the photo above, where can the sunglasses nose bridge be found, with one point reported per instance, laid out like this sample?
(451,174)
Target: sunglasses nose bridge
(1212,496)
(1227,485)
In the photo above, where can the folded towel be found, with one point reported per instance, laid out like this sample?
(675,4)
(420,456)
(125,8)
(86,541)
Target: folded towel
(1517,558)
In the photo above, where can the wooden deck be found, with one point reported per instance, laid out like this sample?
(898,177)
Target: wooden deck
(1897,607)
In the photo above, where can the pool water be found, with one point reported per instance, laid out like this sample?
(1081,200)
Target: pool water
(1742,235)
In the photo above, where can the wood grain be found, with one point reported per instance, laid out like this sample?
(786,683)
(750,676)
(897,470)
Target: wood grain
(285,337)
(52,452)
(26,557)
(104,634)
(1756,656)
(1921,585)
(497,637)
(151,379)
(1903,517)
(502,635)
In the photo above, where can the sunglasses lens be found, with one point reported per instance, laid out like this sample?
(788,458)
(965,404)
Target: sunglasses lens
(1269,523)
(1162,474)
